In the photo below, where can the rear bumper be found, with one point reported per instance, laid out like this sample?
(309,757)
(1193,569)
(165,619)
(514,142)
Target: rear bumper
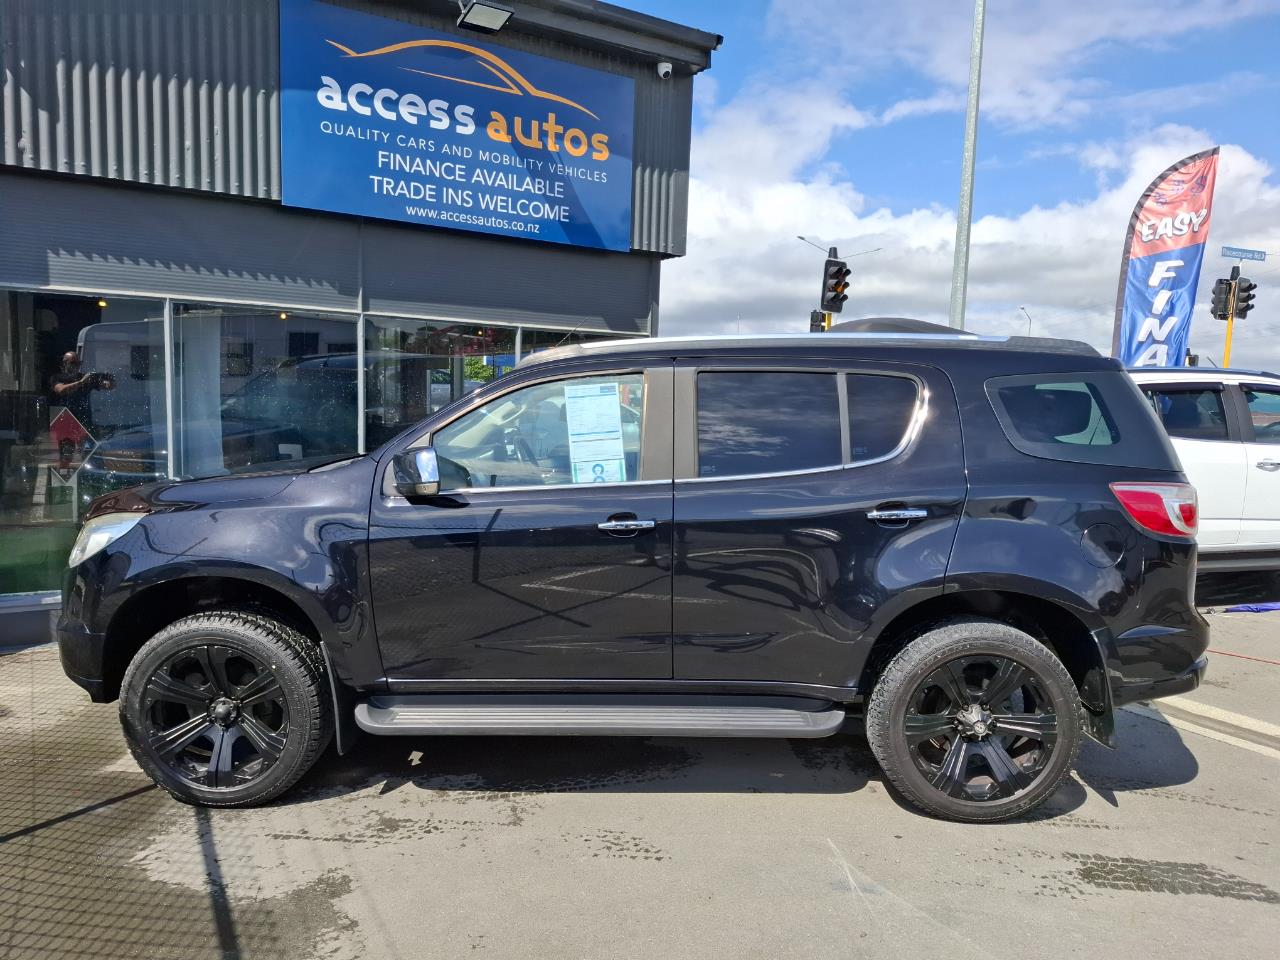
(81,652)
(1237,561)
(1184,682)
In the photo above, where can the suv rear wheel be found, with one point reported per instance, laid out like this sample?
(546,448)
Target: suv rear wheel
(975,721)
(226,709)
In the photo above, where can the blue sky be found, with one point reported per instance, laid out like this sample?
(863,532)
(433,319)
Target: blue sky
(843,119)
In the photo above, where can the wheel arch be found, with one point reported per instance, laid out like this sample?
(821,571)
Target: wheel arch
(1073,640)
(159,604)
(154,607)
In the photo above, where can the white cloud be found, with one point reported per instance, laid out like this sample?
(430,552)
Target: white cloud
(765,135)
(1038,53)
(944,101)
(745,270)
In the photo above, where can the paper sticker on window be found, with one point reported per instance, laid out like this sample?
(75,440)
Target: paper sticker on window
(593,413)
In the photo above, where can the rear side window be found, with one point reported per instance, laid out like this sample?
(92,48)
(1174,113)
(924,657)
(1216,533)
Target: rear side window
(1191,414)
(1096,417)
(1264,412)
(753,422)
(881,410)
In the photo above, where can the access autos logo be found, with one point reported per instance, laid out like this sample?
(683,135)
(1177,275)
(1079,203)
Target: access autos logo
(545,133)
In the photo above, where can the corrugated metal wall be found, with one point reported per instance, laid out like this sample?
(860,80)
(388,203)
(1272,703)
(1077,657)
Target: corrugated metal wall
(185,93)
(94,238)
(180,93)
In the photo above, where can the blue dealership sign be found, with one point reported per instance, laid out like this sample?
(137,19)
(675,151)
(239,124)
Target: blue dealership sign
(382,118)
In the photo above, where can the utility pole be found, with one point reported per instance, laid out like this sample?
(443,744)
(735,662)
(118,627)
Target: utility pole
(964,213)
(1231,316)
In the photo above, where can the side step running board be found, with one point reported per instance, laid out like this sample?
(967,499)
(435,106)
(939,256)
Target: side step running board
(594,715)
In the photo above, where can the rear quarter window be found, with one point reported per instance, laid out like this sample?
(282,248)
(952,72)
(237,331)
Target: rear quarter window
(1094,417)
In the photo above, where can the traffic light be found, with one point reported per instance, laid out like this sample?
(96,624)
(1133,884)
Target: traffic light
(817,321)
(1244,297)
(1221,307)
(834,284)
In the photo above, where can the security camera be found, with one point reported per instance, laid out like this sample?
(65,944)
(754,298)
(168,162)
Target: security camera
(664,70)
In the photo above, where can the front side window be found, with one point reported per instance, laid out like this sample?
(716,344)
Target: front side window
(753,422)
(1190,414)
(1264,411)
(578,431)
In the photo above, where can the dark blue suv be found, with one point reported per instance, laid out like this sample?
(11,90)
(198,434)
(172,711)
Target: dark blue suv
(980,545)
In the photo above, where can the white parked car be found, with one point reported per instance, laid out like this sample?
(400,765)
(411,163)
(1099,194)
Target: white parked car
(1225,425)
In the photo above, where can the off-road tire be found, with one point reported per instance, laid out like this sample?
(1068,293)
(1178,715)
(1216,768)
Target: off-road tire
(297,664)
(891,696)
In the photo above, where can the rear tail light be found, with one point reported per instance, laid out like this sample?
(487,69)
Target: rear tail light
(1165,508)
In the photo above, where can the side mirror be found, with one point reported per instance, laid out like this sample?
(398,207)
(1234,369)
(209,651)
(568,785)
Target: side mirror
(417,473)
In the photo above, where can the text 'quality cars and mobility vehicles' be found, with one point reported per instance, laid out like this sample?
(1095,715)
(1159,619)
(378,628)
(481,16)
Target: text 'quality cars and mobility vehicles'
(981,545)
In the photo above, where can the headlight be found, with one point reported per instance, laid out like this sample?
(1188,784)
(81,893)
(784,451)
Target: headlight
(100,531)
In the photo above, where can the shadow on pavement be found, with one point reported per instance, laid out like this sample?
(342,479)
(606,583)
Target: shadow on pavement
(76,815)
(1151,755)
(839,764)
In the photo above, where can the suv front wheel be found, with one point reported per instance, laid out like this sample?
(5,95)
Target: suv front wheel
(975,721)
(226,709)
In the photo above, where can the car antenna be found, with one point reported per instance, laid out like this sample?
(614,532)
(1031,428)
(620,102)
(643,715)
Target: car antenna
(561,341)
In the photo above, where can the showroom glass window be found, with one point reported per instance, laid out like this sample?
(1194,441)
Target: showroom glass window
(577,431)
(82,413)
(535,341)
(255,386)
(416,367)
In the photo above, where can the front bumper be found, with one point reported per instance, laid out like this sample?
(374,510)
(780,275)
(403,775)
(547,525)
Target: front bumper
(81,652)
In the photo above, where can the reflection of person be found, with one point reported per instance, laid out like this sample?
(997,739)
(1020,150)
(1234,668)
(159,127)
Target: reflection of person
(70,389)
(597,473)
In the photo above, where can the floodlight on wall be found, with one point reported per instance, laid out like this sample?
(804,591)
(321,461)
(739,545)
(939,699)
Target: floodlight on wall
(483,15)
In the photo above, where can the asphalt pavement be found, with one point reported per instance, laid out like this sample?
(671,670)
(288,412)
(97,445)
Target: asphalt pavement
(597,848)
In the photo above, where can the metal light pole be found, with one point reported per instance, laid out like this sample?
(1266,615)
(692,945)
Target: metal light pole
(964,214)
(1028,316)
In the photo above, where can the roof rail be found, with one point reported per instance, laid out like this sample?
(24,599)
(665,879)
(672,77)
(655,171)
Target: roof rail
(816,341)
(1234,371)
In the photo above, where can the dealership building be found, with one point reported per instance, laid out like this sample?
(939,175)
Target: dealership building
(246,231)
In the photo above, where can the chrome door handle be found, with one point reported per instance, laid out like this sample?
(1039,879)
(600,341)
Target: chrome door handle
(1269,464)
(902,513)
(626,526)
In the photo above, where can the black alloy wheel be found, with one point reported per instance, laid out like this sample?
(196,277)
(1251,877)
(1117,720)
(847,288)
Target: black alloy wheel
(981,728)
(975,721)
(226,709)
(217,716)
